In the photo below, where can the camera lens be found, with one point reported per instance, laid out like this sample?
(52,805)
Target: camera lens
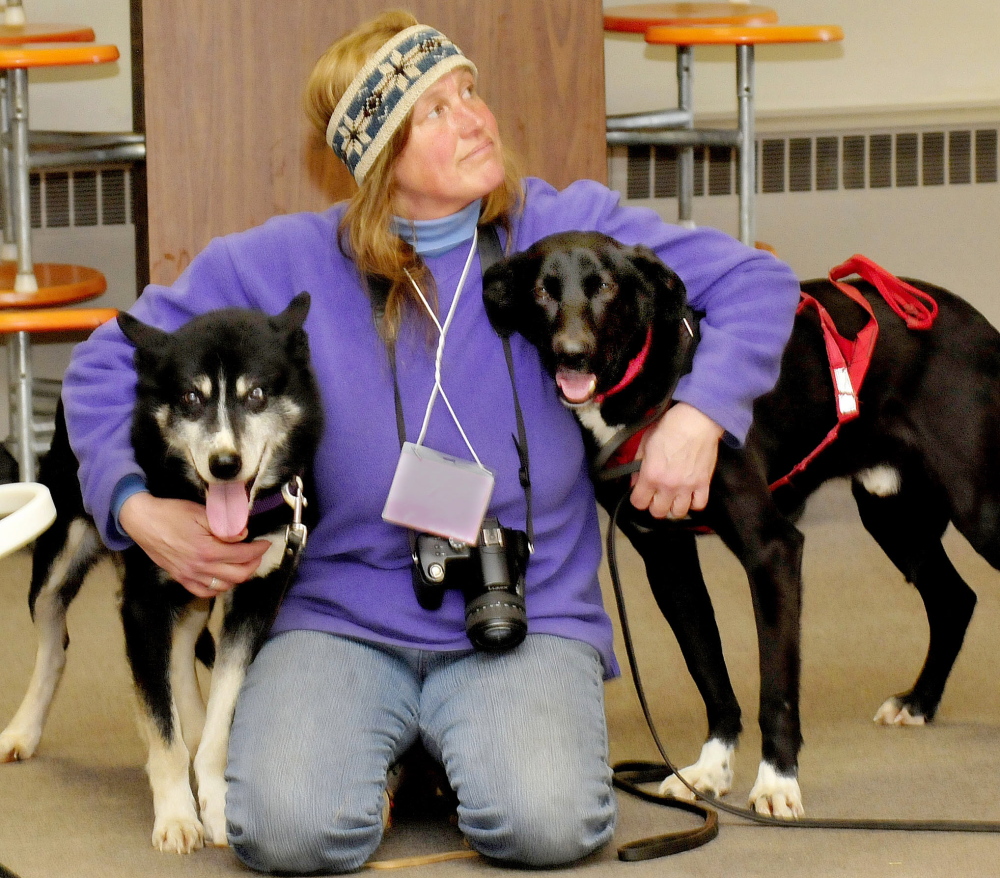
(496,620)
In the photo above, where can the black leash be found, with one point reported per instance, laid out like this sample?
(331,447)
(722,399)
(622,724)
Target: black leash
(643,772)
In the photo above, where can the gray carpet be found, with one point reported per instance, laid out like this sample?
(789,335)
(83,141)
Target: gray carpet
(81,807)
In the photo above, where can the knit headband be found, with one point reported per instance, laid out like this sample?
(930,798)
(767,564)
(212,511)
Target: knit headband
(385,90)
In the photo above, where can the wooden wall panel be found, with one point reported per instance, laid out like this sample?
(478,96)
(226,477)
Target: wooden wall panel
(228,144)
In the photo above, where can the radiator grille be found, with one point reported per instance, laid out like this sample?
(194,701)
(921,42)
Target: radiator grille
(830,162)
(81,197)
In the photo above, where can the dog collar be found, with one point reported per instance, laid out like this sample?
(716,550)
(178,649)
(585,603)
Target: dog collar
(270,500)
(634,368)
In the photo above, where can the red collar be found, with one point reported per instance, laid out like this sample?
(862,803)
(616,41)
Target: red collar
(634,368)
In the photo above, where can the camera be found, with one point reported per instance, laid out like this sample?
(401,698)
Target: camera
(489,574)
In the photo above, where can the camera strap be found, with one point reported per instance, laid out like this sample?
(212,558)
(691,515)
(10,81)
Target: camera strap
(490,250)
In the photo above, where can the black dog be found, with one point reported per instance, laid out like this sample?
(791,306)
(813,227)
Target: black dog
(227,414)
(918,453)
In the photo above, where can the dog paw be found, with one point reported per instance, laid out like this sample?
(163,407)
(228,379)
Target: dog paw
(16,746)
(712,773)
(212,804)
(776,795)
(894,713)
(178,835)
(213,818)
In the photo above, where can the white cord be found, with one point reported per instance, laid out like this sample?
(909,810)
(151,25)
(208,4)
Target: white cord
(439,355)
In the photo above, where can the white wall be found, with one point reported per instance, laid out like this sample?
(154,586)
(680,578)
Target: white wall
(901,55)
(904,55)
(97,98)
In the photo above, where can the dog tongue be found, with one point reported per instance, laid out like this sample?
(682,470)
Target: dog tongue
(228,508)
(576,387)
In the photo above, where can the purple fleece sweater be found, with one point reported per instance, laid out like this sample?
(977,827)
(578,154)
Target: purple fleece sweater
(355,576)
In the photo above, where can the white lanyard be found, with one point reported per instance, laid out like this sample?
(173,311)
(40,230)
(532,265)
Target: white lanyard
(439,355)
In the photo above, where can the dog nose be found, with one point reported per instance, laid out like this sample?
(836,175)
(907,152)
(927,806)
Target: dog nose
(225,465)
(572,349)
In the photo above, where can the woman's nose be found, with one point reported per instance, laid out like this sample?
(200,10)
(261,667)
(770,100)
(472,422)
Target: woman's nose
(470,119)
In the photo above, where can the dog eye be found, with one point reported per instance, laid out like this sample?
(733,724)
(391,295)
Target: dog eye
(256,399)
(542,294)
(192,401)
(604,289)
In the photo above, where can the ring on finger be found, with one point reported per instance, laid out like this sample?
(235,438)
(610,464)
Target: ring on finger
(214,584)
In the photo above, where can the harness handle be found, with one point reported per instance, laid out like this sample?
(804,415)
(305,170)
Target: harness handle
(916,308)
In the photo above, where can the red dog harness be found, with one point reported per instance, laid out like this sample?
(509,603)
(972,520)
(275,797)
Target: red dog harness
(849,360)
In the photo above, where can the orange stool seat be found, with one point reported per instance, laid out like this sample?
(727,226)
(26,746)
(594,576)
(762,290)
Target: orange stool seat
(58,284)
(685,135)
(50,33)
(55,319)
(55,54)
(637,18)
(739,35)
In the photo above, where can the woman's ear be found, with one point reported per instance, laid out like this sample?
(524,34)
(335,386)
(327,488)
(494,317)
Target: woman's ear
(508,289)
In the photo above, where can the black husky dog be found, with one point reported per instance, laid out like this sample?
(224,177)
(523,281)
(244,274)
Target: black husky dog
(920,453)
(227,414)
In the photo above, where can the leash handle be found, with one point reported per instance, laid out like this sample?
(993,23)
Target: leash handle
(627,776)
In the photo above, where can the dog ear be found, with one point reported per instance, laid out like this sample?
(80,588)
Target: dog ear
(298,309)
(290,321)
(669,290)
(507,289)
(142,335)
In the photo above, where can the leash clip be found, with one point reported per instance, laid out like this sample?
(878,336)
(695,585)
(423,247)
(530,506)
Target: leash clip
(296,533)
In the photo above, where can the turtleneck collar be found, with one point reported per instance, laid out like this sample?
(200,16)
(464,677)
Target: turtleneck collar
(437,236)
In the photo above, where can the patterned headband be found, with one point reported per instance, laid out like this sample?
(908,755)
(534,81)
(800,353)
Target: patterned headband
(385,90)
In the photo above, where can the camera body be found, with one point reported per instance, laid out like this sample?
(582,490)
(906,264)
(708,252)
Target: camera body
(489,574)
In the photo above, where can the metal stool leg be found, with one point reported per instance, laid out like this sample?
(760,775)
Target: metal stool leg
(8,248)
(747,147)
(685,154)
(14,14)
(21,411)
(25,281)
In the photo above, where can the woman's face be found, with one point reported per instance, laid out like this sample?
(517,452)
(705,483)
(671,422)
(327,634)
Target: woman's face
(452,156)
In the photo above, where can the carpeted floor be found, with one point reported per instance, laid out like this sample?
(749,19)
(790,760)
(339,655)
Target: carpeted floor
(82,807)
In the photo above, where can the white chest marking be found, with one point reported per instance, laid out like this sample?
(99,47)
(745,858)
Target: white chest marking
(590,416)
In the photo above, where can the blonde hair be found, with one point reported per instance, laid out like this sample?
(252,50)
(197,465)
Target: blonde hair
(366,232)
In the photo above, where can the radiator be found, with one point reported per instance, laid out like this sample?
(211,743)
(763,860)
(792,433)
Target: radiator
(923,202)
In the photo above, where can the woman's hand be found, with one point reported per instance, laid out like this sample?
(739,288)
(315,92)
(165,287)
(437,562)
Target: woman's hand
(176,536)
(678,456)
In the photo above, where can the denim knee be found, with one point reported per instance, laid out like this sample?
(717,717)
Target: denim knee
(541,832)
(294,835)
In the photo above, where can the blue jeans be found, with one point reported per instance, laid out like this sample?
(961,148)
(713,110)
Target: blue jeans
(522,736)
